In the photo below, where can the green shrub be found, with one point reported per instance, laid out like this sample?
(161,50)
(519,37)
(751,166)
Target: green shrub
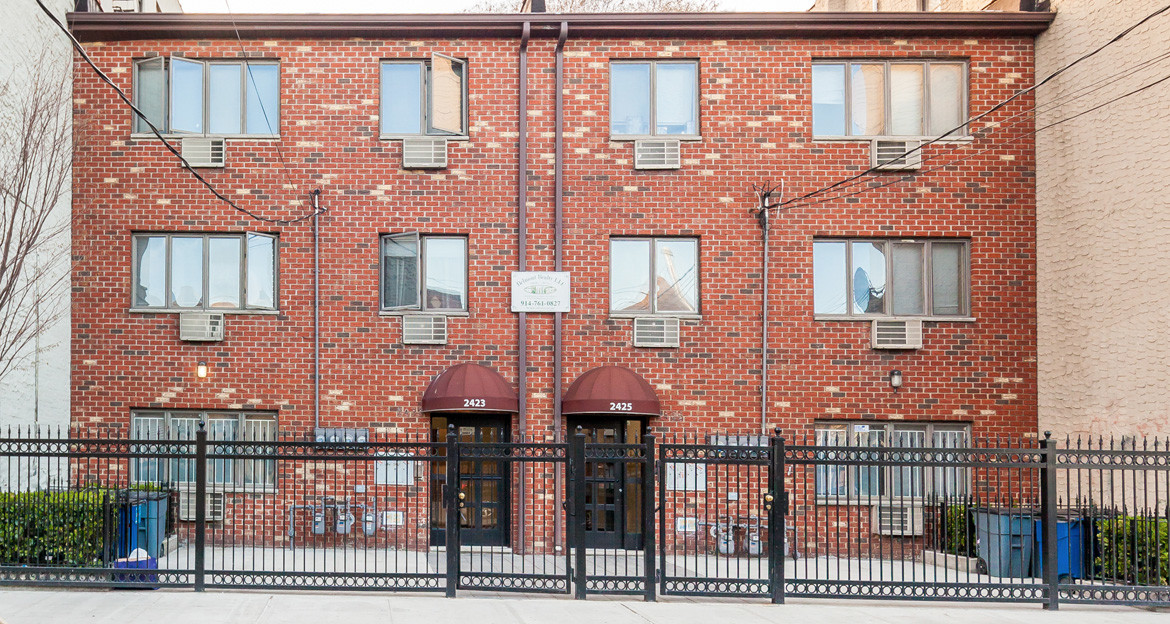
(51,528)
(1134,550)
(958,533)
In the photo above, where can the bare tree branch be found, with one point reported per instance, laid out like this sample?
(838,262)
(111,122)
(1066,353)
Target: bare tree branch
(603,6)
(35,165)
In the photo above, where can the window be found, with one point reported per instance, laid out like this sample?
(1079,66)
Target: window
(211,98)
(424,97)
(221,427)
(888,98)
(654,275)
(205,271)
(424,273)
(890,277)
(861,481)
(654,98)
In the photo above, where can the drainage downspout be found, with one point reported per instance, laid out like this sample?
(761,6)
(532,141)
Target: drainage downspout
(764,223)
(522,252)
(558,185)
(316,312)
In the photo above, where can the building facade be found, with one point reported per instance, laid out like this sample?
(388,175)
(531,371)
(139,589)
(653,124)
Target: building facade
(418,133)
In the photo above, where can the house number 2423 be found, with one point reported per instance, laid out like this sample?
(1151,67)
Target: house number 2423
(474,403)
(621,407)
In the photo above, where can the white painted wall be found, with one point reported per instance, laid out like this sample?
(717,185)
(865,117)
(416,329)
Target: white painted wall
(38,391)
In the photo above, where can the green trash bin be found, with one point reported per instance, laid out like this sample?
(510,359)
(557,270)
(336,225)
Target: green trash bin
(1004,540)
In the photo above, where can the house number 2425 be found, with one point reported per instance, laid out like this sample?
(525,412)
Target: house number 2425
(474,403)
(621,407)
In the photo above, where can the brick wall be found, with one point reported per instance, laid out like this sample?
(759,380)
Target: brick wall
(755,120)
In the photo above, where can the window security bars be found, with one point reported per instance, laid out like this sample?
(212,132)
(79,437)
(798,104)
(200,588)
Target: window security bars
(710,514)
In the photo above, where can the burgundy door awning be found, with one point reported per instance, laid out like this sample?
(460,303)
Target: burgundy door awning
(611,390)
(470,387)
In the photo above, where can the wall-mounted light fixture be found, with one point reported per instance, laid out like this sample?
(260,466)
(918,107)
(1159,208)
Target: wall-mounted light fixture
(895,379)
(201,369)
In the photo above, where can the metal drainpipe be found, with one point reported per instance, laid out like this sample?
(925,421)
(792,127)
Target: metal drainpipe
(558,185)
(765,221)
(522,244)
(316,312)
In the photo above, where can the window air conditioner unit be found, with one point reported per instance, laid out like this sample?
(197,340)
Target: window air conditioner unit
(424,329)
(214,508)
(652,331)
(204,151)
(424,153)
(897,520)
(201,326)
(896,334)
(889,155)
(657,154)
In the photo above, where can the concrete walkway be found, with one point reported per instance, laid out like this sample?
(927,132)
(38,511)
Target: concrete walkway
(247,607)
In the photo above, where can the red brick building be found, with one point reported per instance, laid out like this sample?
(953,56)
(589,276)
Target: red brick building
(328,102)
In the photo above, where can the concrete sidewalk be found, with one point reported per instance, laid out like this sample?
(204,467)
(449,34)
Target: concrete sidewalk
(247,607)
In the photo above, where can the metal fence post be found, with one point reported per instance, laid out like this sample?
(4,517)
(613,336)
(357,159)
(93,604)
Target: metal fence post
(648,498)
(576,493)
(200,506)
(454,502)
(776,503)
(1048,516)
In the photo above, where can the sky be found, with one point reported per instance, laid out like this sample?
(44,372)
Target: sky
(413,6)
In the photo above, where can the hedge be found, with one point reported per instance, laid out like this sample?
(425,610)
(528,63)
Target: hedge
(1134,550)
(51,528)
(958,532)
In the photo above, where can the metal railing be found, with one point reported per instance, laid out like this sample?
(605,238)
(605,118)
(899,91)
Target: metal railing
(700,515)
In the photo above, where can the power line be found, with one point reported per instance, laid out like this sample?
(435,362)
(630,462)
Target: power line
(987,112)
(171,148)
(1002,124)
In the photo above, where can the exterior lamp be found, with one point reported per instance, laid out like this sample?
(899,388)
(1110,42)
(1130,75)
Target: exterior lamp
(201,369)
(895,379)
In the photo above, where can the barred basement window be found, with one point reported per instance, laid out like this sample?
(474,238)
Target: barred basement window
(205,271)
(859,482)
(208,98)
(221,427)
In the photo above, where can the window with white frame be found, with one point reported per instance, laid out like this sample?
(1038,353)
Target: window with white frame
(654,98)
(221,427)
(194,271)
(208,97)
(424,97)
(426,273)
(891,277)
(860,481)
(888,98)
(654,276)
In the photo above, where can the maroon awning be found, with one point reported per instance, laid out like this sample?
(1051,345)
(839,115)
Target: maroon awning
(470,387)
(611,390)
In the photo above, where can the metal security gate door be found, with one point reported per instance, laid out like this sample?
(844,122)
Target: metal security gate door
(721,516)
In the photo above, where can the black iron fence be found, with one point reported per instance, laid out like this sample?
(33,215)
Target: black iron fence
(712,515)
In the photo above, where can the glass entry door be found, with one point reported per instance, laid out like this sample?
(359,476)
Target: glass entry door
(613,490)
(483,520)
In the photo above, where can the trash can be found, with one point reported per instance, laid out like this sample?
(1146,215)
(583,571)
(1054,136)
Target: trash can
(129,520)
(152,519)
(1070,548)
(1005,538)
(133,577)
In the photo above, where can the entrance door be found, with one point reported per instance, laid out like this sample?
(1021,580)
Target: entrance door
(483,520)
(613,490)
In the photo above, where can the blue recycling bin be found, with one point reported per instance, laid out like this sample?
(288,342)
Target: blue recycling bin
(1070,548)
(134,574)
(1004,540)
(129,521)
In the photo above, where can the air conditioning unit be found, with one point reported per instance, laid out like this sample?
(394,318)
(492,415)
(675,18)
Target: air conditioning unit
(204,151)
(201,326)
(213,509)
(424,153)
(890,155)
(897,520)
(657,154)
(650,331)
(896,334)
(424,329)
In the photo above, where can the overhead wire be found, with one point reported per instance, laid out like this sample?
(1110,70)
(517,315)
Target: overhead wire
(994,108)
(158,134)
